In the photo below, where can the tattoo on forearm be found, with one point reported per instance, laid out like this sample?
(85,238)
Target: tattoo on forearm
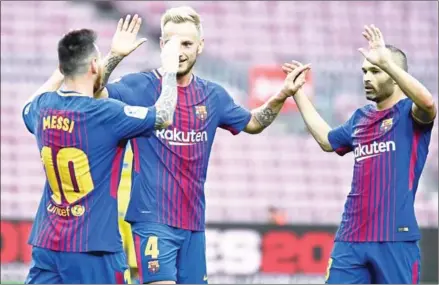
(167,101)
(265,116)
(110,65)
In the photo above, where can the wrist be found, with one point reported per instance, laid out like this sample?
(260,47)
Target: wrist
(386,65)
(115,54)
(284,94)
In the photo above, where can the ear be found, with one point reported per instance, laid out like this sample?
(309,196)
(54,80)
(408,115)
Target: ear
(94,66)
(162,43)
(200,47)
(60,70)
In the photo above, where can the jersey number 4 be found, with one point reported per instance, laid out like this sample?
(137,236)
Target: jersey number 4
(152,248)
(69,170)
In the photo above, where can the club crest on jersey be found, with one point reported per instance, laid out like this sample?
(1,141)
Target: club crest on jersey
(153,266)
(386,125)
(201,112)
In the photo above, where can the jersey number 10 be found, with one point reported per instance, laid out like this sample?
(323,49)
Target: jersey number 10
(72,173)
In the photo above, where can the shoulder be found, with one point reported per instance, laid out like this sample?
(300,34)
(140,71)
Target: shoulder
(405,104)
(42,99)
(135,79)
(360,112)
(109,103)
(214,89)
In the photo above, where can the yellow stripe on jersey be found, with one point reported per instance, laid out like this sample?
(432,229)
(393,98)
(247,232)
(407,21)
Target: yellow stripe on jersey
(124,192)
(125,181)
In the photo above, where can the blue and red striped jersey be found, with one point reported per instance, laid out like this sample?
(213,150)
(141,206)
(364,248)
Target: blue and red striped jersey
(170,167)
(390,149)
(81,142)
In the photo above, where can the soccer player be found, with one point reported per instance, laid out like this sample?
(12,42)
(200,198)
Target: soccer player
(167,206)
(123,198)
(377,241)
(75,235)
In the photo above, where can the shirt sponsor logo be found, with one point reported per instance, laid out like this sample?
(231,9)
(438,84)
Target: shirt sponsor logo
(176,137)
(363,152)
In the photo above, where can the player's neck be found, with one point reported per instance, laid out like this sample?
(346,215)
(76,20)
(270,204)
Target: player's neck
(182,81)
(81,86)
(391,101)
(185,80)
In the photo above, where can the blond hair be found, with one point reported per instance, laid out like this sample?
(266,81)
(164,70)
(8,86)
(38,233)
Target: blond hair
(180,15)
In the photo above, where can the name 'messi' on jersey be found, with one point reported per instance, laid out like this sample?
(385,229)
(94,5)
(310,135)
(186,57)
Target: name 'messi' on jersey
(176,137)
(362,152)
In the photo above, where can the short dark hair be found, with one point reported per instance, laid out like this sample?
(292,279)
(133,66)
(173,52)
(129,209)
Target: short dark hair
(74,49)
(399,56)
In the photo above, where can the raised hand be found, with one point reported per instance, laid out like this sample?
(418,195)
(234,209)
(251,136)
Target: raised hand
(377,54)
(170,55)
(296,76)
(125,38)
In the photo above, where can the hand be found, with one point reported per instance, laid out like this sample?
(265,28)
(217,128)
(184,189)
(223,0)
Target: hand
(378,54)
(296,77)
(171,55)
(124,39)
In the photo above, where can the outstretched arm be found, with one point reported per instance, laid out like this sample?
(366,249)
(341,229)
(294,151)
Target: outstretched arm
(264,115)
(423,109)
(316,125)
(124,42)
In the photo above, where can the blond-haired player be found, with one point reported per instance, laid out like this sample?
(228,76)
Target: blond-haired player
(167,205)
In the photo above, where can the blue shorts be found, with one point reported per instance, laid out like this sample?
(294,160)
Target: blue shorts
(165,253)
(374,263)
(56,267)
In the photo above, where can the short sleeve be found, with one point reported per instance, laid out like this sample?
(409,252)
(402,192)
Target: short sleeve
(234,117)
(30,113)
(406,109)
(340,138)
(129,121)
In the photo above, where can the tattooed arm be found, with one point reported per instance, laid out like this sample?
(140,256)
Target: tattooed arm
(110,63)
(167,102)
(264,115)
(124,42)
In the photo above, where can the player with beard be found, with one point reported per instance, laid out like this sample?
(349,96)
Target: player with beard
(167,205)
(377,241)
(75,236)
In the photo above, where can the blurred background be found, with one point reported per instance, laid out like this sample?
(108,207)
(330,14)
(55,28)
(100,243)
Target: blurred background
(273,200)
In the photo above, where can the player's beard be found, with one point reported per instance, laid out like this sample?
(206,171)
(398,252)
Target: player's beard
(381,92)
(188,69)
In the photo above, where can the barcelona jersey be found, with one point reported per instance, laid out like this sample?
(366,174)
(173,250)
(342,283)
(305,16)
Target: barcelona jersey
(390,149)
(170,167)
(81,141)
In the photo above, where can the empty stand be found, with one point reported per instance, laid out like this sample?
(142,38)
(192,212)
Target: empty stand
(247,174)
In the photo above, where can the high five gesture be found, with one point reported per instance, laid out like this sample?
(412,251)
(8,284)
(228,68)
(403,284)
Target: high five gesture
(124,42)
(377,54)
(125,38)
